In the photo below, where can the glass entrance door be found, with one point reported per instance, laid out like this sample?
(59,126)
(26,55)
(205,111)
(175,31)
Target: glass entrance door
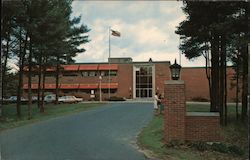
(143,81)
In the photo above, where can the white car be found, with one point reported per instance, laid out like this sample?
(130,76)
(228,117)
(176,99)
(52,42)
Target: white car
(50,98)
(69,99)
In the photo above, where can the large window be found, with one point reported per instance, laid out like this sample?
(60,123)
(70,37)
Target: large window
(92,73)
(143,81)
(106,73)
(70,74)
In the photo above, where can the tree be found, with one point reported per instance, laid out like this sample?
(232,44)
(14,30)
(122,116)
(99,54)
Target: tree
(42,32)
(216,29)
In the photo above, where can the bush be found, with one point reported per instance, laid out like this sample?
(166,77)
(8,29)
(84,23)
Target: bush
(116,99)
(220,147)
(200,146)
(235,150)
(200,99)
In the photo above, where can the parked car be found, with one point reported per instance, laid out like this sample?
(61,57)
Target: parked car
(50,98)
(78,99)
(69,99)
(12,98)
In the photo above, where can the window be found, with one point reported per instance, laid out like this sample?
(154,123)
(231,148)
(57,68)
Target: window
(144,81)
(107,90)
(70,74)
(113,73)
(106,73)
(49,74)
(92,73)
(84,74)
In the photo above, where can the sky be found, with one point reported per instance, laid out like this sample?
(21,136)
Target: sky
(147,30)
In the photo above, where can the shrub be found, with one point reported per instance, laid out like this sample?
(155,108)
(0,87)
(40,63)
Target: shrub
(200,146)
(235,150)
(114,98)
(199,99)
(220,147)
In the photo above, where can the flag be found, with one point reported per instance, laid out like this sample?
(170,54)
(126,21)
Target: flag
(115,33)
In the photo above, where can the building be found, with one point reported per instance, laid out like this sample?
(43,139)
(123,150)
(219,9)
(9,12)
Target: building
(128,79)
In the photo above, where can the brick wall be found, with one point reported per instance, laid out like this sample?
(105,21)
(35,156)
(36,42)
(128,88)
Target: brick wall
(162,73)
(197,83)
(125,80)
(182,126)
(202,127)
(175,111)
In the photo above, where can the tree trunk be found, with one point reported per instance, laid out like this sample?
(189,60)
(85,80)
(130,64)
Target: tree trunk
(244,84)
(237,87)
(1,84)
(21,63)
(30,81)
(43,83)
(225,97)
(57,79)
(222,79)
(4,69)
(208,73)
(39,81)
(215,75)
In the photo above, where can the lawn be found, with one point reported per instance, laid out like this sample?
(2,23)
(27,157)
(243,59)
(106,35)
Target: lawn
(235,133)
(10,120)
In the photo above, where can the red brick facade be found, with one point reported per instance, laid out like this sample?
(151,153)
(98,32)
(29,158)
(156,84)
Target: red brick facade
(175,111)
(197,83)
(202,128)
(122,84)
(190,126)
(125,80)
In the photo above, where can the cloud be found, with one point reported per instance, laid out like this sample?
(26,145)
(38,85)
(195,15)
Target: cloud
(147,30)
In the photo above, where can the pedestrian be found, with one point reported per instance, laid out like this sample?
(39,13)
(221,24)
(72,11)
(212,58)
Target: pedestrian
(160,104)
(156,100)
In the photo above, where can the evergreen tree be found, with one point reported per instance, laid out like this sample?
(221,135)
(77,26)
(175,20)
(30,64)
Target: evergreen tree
(213,23)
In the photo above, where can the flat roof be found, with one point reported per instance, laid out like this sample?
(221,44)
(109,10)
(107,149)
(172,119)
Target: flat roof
(201,67)
(133,62)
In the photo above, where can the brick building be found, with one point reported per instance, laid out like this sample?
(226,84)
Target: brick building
(127,79)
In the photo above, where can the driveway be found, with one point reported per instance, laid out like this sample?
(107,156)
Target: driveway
(105,133)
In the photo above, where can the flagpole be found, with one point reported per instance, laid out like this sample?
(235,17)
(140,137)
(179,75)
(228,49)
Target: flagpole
(109,62)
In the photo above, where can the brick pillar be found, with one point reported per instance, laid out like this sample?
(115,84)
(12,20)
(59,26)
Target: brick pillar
(175,110)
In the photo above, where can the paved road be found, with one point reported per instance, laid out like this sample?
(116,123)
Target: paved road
(106,133)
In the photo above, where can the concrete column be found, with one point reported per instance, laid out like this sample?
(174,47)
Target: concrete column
(175,111)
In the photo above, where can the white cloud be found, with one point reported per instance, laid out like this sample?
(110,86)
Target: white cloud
(147,30)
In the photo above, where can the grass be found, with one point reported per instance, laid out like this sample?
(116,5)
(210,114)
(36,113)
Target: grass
(10,119)
(235,133)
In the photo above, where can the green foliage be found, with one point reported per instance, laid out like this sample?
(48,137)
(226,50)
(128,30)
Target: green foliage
(200,99)
(42,31)
(200,146)
(10,84)
(220,147)
(235,150)
(206,19)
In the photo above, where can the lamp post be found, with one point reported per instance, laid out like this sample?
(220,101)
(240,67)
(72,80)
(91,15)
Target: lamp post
(100,88)
(175,71)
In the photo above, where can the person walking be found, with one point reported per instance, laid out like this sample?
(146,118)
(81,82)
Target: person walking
(160,104)
(156,100)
